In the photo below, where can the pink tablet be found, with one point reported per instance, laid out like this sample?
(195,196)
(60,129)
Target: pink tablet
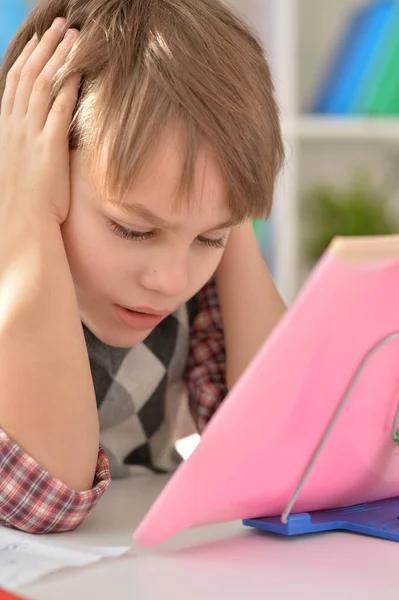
(256,449)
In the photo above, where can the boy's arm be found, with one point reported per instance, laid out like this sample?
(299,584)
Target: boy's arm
(206,367)
(47,400)
(250,303)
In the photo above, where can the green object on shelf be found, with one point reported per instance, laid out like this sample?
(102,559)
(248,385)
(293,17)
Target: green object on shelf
(329,211)
(258,228)
(385,100)
(263,231)
(379,95)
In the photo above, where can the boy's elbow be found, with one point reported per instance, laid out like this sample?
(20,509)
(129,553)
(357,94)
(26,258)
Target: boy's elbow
(33,501)
(42,526)
(52,508)
(77,482)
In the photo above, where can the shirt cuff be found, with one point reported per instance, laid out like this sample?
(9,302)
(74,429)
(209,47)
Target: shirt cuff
(33,501)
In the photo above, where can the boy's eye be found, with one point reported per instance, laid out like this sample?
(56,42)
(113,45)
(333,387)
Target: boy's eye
(218,243)
(130,234)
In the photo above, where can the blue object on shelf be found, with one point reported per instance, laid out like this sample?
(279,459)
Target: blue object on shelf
(12,15)
(376,519)
(355,53)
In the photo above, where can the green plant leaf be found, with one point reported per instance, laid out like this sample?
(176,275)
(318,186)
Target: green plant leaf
(330,211)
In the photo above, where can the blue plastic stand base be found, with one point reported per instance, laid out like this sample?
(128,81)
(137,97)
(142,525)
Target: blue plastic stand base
(377,519)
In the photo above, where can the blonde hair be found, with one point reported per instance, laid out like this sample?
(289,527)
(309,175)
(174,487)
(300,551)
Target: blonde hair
(146,64)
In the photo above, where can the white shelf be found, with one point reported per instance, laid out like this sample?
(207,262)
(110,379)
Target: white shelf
(312,127)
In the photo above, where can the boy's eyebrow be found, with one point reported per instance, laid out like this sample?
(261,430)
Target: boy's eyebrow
(138,210)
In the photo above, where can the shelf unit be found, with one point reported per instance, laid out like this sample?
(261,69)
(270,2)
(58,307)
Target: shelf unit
(299,37)
(308,127)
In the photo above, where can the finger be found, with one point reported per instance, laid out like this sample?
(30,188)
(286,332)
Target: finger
(61,113)
(39,104)
(13,76)
(35,64)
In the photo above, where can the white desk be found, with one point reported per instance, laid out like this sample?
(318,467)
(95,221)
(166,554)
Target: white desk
(211,562)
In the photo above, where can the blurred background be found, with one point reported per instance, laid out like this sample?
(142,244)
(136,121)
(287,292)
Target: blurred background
(336,70)
(335,65)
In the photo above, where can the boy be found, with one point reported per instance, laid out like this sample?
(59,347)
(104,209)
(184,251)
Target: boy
(137,140)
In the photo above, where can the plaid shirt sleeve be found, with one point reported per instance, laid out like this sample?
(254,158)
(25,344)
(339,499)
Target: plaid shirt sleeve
(206,368)
(33,501)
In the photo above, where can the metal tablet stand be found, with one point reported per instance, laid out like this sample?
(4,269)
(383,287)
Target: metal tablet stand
(334,419)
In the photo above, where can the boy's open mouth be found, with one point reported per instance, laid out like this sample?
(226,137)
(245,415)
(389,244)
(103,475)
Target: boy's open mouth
(140,319)
(148,311)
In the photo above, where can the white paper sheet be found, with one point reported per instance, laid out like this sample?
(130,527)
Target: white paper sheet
(25,558)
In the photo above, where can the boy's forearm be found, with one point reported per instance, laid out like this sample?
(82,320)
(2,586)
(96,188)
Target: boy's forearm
(250,303)
(47,400)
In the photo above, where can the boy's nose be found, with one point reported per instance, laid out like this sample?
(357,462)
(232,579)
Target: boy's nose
(167,279)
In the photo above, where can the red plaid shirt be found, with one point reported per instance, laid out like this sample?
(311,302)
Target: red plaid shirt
(33,501)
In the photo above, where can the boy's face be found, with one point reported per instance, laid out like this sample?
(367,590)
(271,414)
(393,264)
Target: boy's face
(114,270)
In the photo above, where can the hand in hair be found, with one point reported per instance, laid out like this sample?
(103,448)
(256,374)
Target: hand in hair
(47,400)
(34,166)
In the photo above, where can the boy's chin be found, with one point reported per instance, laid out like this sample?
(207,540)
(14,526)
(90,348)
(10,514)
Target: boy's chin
(117,337)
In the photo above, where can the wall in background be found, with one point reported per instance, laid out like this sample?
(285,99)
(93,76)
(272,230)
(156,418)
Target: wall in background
(12,12)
